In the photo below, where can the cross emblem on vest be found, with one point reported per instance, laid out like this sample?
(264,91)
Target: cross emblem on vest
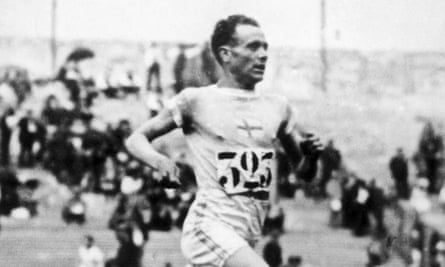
(248,127)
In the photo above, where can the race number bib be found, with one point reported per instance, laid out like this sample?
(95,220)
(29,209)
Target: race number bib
(245,170)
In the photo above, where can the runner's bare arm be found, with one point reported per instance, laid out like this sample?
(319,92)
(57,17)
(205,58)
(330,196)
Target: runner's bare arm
(303,150)
(139,143)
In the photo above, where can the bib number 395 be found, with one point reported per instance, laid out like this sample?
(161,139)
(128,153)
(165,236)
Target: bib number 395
(245,170)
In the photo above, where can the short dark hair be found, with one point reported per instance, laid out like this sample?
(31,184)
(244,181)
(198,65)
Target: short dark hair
(224,30)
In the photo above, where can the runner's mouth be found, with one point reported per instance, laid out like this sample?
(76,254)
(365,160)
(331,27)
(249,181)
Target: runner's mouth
(259,68)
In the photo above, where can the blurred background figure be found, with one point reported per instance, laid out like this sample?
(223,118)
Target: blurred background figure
(74,211)
(97,147)
(15,78)
(377,252)
(274,220)
(31,133)
(272,252)
(90,255)
(419,199)
(9,197)
(153,69)
(331,161)
(7,124)
(179,68)
(398,166)
(74,78)
(53,114)
(431,154)
(376,204)
(131,223)
(209,66)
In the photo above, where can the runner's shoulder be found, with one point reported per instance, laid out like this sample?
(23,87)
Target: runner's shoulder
(281,101)
(194,93)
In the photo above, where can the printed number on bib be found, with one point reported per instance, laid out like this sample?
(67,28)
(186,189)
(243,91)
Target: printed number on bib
(245,170)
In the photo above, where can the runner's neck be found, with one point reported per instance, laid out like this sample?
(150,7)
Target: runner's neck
(230,83)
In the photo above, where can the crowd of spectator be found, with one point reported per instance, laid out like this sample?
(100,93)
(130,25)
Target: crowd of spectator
(361,205)
(89,155)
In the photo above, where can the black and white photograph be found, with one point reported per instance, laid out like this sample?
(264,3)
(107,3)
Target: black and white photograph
(222,133)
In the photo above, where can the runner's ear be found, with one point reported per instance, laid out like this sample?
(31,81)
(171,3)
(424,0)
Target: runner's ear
(224,53)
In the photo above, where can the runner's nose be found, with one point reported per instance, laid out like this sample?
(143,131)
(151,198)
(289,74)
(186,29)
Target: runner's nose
(262,54)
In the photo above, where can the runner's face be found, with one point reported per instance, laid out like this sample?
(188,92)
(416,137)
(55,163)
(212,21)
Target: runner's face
(248,54)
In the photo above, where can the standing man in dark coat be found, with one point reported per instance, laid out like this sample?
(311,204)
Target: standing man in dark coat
(399,172)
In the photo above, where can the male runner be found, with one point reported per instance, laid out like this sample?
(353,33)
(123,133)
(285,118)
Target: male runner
(231,131)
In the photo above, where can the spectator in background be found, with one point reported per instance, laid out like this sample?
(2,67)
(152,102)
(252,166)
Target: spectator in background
(398,166)
(97,147)
(419,199)
(160,200)
(60,153)
(153,68)
(120,133)
(439,248)
(431,149)
(272,250)
(376,205)
(31,131)
(274,220)
(377,252)
(183,207)
(53,114)
(347,199)
(7,122)
(354,206)
(20,82)
(75,209)
(361,221)
(330,159)
(90,255)
(131,222)
(78,164)
(209,66)
(28,200)
(154,76)
(162,218)
(179,68)
(9,198)
(69,75)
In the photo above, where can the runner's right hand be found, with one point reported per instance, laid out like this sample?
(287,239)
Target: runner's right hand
(169,173)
